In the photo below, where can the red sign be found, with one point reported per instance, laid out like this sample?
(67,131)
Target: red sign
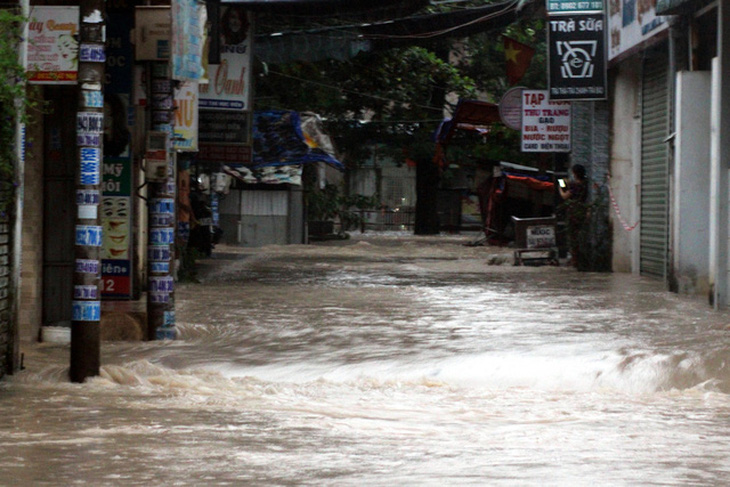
(232,154)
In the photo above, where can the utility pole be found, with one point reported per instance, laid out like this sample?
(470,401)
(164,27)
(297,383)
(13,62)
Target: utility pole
(86,318)
(160,174)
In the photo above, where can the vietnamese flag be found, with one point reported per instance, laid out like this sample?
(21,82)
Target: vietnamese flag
(518,57)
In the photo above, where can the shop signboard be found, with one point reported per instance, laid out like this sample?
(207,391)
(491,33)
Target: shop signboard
(577,57)
(53,51)
(152,33)
(188,38)
(229,83)
(631,23)
(225,137)
(116,220)
(545,123)
(562,6)
(185,137)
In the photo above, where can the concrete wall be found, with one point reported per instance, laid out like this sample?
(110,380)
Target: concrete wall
(691,201)
(31,274)
(625,164)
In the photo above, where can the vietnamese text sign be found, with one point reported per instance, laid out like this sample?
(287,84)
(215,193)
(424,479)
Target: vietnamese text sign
(630,23)
(555,6)
(53,51)
(224,127)
(577,51)
(186,117)
(116,220)
(540,236)
(152,33)
(545,123)
(189,18)
(229,82)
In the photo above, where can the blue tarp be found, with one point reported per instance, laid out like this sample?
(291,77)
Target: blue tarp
(278,140)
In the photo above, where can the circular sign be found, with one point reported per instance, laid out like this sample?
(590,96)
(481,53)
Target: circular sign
(510,108)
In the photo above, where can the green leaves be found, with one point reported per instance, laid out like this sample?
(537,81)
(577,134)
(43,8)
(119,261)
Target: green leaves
(12,100)
(402,92)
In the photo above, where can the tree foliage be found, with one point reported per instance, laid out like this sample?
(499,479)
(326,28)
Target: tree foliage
(13,101)
(404,93)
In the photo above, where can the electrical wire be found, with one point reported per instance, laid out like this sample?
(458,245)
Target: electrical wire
(428,35)
(508,5)
(343,90)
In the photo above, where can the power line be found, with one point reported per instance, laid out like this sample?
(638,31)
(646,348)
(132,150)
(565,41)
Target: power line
(343,90)
(427,35)
(509,4)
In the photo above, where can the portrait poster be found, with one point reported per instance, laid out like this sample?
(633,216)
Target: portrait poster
(53,51)
(116,221)
(229,83)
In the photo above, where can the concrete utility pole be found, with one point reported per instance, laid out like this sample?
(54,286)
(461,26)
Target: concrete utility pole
(86,319)
(160,173)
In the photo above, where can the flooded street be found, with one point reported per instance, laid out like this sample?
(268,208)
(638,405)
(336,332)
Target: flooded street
(388,361)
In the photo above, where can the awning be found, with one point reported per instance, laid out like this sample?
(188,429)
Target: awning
(473,115)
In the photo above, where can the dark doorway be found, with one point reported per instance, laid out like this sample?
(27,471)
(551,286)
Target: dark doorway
(59,205)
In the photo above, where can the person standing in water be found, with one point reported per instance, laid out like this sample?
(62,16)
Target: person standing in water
(575,194)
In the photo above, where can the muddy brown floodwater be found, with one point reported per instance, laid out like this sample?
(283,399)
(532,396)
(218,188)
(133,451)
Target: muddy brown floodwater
(388,360)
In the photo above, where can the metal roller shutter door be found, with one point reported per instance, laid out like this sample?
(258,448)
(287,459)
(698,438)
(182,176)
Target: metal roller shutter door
(654,165)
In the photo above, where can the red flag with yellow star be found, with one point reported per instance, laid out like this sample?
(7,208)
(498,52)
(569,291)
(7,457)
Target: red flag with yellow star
(518,57)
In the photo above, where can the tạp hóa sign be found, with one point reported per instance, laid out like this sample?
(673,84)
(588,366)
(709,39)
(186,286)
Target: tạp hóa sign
(545,123)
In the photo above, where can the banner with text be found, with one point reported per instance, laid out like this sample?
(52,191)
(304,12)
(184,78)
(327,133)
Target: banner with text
(631,23)
(229,83)
(545,123)
(53,51)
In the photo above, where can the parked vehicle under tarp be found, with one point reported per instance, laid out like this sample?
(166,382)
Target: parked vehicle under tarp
(513,190)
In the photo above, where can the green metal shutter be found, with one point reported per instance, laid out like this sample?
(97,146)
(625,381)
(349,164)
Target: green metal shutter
(6,325)
(654,165)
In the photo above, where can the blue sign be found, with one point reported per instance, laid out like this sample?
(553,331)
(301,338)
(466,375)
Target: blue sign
(86,310)
(158,297)
(86,292)
(88,197)
(162,236)
(162,284)
(87,266)
(159,267)
(93,99)
(92,53)
(159,253)
(88,140)
(163,205)
(89,123)
(88,235)
(90,165)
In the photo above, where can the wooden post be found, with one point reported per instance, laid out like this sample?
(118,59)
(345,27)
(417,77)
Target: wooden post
(86,318)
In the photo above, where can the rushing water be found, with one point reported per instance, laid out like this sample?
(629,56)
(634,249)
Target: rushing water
(389,361)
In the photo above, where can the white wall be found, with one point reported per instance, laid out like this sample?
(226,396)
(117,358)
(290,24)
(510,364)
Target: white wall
(625,164)
(690,200)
